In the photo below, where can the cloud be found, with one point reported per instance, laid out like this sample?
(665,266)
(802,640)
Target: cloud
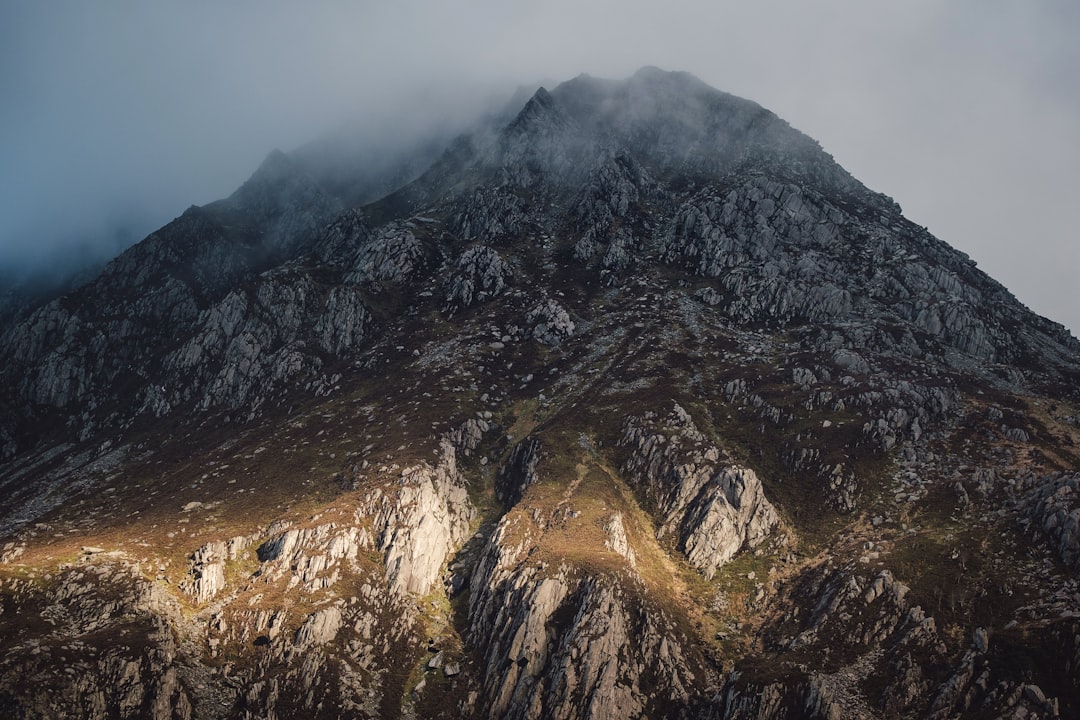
(115,116)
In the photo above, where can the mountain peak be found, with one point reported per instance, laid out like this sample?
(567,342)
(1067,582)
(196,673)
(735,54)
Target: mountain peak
(630,405)
(543,97)
(276,167)
(541,112)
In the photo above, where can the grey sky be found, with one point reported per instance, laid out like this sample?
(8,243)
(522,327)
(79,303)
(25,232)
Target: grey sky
(967,112)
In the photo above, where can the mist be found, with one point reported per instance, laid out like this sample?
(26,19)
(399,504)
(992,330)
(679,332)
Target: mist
(116,116)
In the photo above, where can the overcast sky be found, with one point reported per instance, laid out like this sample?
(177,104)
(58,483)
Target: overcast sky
(115,116)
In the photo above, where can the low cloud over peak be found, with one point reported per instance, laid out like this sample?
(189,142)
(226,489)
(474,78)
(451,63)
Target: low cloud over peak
(117,116)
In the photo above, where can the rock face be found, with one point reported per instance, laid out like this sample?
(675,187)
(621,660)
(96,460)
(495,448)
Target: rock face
(628,402)
(550,322)
(713,511)
(158,287)
(422,523)
(1054,511)
(519,472)
(207,576)
(135,678)
(617,541)
(577,648)
(480,274)
(416,524)
(320,628)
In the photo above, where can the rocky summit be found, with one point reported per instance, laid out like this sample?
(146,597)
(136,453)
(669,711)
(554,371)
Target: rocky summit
(629,403)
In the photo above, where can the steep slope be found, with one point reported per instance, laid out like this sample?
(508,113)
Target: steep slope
(636,404)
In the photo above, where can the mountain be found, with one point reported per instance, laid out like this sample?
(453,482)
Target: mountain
(630,402)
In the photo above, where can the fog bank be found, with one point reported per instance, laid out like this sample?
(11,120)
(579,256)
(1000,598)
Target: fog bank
(116,116)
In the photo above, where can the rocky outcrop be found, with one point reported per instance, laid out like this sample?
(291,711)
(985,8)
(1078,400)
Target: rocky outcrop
(108,656)
(976,685)
(151,293)
(606,209)
(420,522)
(713,510)
(142,657)
(320,628)
(741,237)
(206,577)
(776,249)
(252,344)
(617,541)
(556,644)
(617,185)
(519,471)
(313,557)
(335,659)
(1053,511)
(415,523)
(798,696)
(479,274)
(390,256)
(344,322)
(467,436)
(490,215)
(856,626)
(550,323)
(856,611)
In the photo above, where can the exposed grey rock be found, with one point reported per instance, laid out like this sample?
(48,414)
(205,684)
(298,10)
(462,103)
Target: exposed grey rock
(619,256)
(617,541)
(418,526)
(207,575)
(586,246)
(851,361)
(616,186)
(344,321)
(468,436)
(391,255)
(248,345)
(112,680)
(320,628)
(489,215)
(740,240)
(1014,434)
(843,488)
(151,293)
(573,674)
(479,274)
(714,510)
(709,296)
(1053,509)
(519,472)
(550,322)
(314,555)
(339,241)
